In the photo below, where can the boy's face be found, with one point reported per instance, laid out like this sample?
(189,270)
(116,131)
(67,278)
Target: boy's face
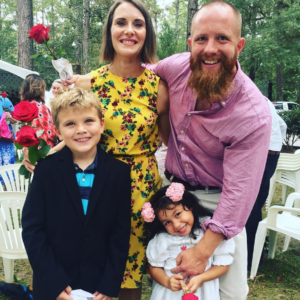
(80,129)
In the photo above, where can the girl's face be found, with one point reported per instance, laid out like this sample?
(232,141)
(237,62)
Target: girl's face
(55,86)
(177,220)
(128,30)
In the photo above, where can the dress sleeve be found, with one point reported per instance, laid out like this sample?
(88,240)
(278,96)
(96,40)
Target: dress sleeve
(157,251)
(8,104)
(223,254)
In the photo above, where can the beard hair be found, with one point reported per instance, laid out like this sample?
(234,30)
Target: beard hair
(211,86)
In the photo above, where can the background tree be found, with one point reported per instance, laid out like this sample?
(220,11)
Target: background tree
(25,45)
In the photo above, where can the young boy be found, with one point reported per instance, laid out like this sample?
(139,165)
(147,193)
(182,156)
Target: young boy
(76,218)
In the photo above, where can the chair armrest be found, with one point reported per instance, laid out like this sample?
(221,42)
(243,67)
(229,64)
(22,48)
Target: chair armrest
(273,212)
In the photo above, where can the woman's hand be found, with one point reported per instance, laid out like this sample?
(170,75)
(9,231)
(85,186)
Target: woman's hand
(174,282)
(101,296)
(70,81)
(81,81)
(26,162)
(65,295)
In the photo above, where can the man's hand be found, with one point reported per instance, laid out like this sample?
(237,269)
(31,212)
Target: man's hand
(100,296)
(64,295)
(190,262)
(30,167)
(174,282)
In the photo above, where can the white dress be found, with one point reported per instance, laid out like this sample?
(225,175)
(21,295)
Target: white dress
(162,251)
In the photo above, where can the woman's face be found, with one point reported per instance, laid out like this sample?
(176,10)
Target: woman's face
(128,31)
(55,86)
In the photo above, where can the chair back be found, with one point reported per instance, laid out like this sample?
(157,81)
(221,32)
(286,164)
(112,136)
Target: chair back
(11,244)
(13,181)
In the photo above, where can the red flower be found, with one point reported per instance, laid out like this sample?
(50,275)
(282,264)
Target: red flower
(189,296)
(183,248)
(3,95)
(26,136)
(39,33)
(25,111)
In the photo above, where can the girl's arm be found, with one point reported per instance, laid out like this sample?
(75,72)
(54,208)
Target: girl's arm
(163,111)
(212,273)
(171,283)
(82,81)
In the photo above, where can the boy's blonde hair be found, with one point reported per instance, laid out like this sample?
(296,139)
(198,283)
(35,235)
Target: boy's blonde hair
(76,98)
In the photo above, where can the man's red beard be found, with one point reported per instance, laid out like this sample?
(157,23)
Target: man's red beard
(209,85)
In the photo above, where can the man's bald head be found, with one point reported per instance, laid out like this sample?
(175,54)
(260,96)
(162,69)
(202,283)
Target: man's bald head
(221,5)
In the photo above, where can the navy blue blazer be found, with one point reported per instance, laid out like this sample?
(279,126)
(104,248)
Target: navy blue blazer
(67,248)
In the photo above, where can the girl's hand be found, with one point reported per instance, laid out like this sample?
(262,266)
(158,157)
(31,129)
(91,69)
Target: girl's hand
(194,283)
(174,282)
(65,295)
(101,296)
(27,163)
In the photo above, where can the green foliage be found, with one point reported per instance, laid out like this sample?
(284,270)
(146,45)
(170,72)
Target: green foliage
(292,120)
(167,44)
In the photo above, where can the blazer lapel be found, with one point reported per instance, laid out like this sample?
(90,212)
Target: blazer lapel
(99,180)
(67,170)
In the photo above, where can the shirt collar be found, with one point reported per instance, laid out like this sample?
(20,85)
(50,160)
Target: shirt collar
(91,167)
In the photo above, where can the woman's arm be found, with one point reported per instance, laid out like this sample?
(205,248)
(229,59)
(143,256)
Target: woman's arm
(81,81)
(172,283)
(212,273)
(163,111)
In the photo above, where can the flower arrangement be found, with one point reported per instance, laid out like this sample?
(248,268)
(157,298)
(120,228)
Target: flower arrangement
(27,136)
(40,34)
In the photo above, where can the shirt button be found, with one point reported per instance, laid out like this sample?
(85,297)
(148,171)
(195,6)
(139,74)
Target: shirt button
(182,148)
(189,115)
(193,182)
(181,131)
(186,165)
(223,103)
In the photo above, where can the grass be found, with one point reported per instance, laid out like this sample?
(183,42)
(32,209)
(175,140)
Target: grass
(277,278)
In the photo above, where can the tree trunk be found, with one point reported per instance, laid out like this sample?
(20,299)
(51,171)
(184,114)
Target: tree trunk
(279,82)
(177,15)
(0,27)
(192,9)
(252,69)
(270,91)
(78,48)
(86,35)
(53,28)
(25,45)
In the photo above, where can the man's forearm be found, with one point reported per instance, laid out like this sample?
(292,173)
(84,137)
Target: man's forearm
(208,244)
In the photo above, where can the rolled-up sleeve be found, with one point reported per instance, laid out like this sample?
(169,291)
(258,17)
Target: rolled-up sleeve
(244,164)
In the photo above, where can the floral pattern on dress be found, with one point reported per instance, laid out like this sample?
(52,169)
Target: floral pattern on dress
(131,135)
(44,122)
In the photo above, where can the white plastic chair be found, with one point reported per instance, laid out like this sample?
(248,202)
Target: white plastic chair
(287,223)
(287,173)
(13,181)
(11,244)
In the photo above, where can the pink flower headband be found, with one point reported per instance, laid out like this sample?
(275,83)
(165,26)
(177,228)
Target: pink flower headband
(174,192)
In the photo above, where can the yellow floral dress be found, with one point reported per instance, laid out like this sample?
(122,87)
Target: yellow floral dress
(131,135)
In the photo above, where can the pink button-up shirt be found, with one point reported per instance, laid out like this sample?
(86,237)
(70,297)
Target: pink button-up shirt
(226,146)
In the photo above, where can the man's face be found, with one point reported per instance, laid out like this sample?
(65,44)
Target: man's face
(215,44)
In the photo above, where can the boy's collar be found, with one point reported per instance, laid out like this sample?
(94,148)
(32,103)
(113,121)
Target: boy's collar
(92,166)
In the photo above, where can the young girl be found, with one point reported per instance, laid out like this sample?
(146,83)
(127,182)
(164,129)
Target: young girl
(174,217)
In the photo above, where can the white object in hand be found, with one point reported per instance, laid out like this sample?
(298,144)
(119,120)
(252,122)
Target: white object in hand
(81,295)
(63,67)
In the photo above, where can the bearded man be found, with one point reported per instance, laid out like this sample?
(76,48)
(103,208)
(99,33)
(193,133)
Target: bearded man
(220,133)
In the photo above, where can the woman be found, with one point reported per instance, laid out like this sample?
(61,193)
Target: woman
(132,98)
(56,84)
(7,149)
(33,90)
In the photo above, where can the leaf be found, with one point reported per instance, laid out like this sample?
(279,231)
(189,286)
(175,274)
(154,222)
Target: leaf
(39,133)
(33,154)
(44,151)
(42,143)
(18,146)
(22,170)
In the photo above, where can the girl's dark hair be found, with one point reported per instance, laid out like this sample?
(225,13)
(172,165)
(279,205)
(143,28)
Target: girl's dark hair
(148,53)
(161,202)
(33,88)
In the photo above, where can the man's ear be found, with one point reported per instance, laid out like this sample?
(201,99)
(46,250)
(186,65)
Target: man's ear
(240,45)
(190,42)
(58,133)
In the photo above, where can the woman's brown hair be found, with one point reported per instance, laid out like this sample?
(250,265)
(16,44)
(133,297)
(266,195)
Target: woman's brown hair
(33,88)
(148,53)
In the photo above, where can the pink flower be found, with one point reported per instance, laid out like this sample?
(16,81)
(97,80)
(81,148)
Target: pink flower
(124,80)
(183,248)
(148,212)
(123,95)
(123,127)
(175,191)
